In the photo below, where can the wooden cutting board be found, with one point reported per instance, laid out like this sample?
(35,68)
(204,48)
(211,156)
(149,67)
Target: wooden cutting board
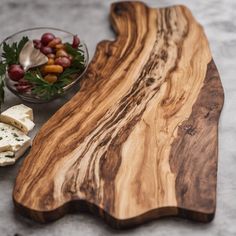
(139,140)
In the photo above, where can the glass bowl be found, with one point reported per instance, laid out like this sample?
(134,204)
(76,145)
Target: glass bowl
(36,33)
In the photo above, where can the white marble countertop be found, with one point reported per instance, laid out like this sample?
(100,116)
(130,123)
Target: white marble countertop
(89,18)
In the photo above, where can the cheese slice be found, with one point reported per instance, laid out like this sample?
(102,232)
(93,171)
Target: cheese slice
(17,121)
(7,158)
(13,144)
(12,139)
(19,116)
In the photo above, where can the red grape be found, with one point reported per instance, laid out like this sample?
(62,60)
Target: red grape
(63,61)
(46,50)
(16,72)
(46,38)
(76,41)
(54,42)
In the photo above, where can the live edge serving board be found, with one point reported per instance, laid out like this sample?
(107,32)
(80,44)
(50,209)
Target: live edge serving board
(139,140)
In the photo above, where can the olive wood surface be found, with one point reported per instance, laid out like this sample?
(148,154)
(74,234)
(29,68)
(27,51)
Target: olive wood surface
(140,139)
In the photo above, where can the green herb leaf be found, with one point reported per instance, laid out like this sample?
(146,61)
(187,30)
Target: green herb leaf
(42,88)
(68,72)
(11,52)
(2,68)
(78,57)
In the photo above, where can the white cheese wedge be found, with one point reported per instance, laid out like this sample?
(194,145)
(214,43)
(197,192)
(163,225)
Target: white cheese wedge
(12,139)
(9,158)
(19,116)
(13,144)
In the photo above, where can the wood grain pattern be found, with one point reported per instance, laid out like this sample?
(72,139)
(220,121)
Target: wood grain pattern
(139,141)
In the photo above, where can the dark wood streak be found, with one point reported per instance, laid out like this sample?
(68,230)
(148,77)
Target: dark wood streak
(196,170)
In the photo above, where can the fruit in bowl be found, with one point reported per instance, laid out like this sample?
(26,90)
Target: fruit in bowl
(38,69)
